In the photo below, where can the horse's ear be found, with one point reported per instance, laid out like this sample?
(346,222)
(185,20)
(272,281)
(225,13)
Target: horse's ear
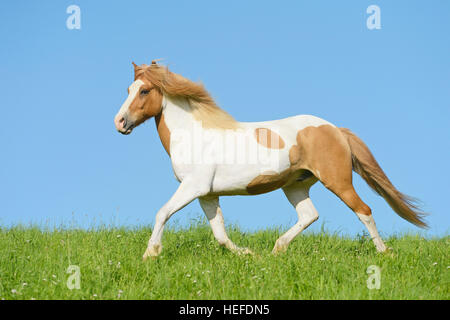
(154,61)
(134,64)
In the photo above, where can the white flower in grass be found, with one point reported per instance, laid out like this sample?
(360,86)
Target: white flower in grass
(188,275)
(33,298)
(14,291)
(24,284)
(119,235)
(323,259)
(94,295)
(54,276)
(118,264)
(435,263)
(109,262)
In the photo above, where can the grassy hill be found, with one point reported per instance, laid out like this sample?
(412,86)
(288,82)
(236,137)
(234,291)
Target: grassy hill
(33,265)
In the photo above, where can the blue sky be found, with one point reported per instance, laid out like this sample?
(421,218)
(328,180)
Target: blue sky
(63,162)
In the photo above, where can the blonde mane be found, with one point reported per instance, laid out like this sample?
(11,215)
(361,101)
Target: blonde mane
(203,106)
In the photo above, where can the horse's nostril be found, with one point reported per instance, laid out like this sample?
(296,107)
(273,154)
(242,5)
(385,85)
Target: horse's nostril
(120,122)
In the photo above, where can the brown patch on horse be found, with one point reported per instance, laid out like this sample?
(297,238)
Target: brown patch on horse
(325,152)
(269,139)
(163,131)
(322,150)
(269,182)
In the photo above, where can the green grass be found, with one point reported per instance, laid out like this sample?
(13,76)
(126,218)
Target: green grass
(33,264)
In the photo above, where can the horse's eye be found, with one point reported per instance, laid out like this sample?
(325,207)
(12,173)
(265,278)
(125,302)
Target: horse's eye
(144,92)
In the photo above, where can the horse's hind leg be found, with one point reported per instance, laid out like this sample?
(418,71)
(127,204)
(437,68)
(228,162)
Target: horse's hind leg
(213,212)
(298,195)
(364,213)
(331,163)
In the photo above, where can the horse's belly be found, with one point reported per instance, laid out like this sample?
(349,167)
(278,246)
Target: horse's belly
(248,180)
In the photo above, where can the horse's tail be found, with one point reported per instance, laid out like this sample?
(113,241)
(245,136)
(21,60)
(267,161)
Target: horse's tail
(367,167)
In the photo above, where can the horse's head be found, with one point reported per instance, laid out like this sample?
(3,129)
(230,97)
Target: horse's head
(144,101)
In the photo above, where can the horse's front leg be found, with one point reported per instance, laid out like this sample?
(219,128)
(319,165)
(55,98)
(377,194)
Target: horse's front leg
(190,189)
(211,207)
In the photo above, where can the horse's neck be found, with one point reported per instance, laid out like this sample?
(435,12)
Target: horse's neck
(177,114)
(175,119)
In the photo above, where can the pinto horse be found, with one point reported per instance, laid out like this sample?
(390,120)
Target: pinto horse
(212,155)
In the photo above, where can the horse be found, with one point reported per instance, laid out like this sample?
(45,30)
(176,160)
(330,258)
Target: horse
(214,155)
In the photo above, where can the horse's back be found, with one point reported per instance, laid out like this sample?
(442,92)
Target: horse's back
(297,122)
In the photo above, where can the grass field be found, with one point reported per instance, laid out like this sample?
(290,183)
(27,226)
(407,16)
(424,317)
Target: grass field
(33,265)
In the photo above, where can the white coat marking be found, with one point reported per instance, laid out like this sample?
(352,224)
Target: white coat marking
(134,89)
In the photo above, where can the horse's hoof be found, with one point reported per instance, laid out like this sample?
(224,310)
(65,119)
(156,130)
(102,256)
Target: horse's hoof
(244,251)
(389,252)
(152,252)
(277,251)
(278,248)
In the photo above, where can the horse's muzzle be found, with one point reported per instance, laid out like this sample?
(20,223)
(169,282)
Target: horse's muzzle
(124,125)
